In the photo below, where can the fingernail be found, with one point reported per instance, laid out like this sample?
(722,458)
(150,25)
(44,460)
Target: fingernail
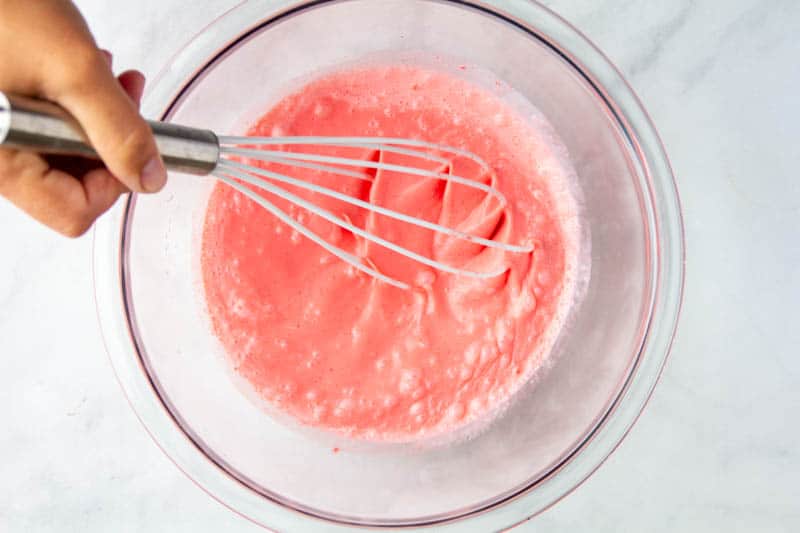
(154,175)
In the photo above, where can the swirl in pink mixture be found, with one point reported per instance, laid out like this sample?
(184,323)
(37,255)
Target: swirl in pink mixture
(339,350)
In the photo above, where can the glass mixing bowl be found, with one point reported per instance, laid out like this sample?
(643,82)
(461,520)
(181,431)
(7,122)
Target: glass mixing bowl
(556,433)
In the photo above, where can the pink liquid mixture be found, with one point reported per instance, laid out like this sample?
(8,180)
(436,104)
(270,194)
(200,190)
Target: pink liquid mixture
(338,350)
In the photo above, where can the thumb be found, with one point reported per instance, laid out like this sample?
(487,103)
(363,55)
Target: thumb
(122,138)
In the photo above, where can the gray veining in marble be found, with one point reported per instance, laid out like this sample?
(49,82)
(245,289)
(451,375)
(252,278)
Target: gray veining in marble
(718,448)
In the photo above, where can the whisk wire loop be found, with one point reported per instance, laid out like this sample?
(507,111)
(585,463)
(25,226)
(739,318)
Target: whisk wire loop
(226,171)
(237,174)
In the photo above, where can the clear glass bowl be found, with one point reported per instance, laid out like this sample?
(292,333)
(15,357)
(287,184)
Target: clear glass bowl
(556,433)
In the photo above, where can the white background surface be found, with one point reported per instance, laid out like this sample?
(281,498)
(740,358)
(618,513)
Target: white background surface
(718,448)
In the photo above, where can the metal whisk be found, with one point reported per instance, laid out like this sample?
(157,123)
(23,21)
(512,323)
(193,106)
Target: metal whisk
(46,128)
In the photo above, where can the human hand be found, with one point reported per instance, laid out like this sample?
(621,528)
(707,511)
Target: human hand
(47,52)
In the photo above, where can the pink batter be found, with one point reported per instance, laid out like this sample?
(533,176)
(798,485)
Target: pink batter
(339,350)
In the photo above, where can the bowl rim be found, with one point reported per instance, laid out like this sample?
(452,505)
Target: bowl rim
(667,255)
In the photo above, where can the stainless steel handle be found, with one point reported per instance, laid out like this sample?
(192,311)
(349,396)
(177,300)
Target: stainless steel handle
(43,127)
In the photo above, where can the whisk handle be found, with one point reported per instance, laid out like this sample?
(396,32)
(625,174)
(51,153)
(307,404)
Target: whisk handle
(44,127)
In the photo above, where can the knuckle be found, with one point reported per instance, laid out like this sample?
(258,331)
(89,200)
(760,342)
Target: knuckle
(16,164)
(75,225)
(135,147)
(137,139)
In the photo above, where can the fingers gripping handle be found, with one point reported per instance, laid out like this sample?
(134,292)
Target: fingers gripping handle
(43,127)
(29,124)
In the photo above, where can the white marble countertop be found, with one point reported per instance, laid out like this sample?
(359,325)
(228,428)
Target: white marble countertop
(718,448)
